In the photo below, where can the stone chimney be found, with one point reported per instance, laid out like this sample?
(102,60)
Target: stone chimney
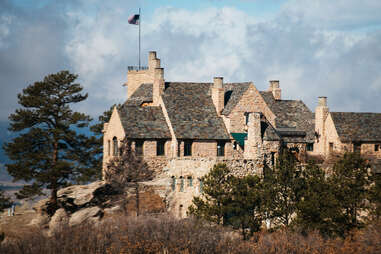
(275,89)
(218,94)
(254,137)
(158,86)
(321,113)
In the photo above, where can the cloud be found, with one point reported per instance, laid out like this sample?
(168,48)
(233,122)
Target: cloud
(312,47)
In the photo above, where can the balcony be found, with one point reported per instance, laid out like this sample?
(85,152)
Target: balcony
(137,68)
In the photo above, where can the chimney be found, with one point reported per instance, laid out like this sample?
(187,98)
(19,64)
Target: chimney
(218,94)
(158,85)
(153,61)
(254,137)
(275,89)
(321,113)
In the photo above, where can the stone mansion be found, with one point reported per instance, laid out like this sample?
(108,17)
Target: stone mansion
(183,128)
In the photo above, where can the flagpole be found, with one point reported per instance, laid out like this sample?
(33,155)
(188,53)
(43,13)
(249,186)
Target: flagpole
(140,21)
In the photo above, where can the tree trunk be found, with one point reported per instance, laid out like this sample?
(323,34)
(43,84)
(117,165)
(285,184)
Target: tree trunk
(137,198)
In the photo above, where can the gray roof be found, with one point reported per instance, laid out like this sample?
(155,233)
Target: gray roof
(143,122)
(141,95)
(191,111)
(268,132)
(352,127)
(233,94)
(293,118)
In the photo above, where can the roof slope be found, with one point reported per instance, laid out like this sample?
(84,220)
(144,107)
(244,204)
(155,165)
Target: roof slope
(143,122)
(191,111)
(142,94)
(233,94)
(352,126)
(293,118)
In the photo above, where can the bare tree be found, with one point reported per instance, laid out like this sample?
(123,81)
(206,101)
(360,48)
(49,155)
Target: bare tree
(126,169)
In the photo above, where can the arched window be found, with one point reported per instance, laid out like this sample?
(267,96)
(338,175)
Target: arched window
(181,183)
(173,183)
(115,146)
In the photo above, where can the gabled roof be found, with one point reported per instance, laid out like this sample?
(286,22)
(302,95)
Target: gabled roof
(143,122)
(142,94)
(233,94)
(191,111)
(292,117)
(356,127)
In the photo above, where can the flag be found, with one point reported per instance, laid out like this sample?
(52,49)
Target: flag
(134,19)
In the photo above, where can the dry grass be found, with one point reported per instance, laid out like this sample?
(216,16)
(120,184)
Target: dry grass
(121,234)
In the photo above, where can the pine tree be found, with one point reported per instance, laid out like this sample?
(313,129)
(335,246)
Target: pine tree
(5,202)
(212,204)
(128,168)
(318,209)
(244,206)
(48,153)
(282,190)
(352,180)
(375,196)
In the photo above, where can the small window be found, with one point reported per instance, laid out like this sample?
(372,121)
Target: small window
(173,183)
(272,158)
(376,148)
(180,211)
(310,146)
(246,118)
(221,148)
(190,181)
(357,147)
(115,146)
(160,148)
(188,148)
(181,184)
(108,147)
(139,147)
(330,147)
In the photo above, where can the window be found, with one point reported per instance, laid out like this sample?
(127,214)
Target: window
(173,183)
(330,147)
(201,186)
(160,150)
(188,148)
(272,158)
(181,184)
(310,146)
(108,147)
(246,118)
(180,211)
(357,147)
(376,148)
(115,146)
(190,181)
(139,147)
(221,148)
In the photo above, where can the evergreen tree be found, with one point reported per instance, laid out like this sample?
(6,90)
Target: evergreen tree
(375,196)
(48,152)
(351,178)
(5,202)
(212,204)
(282,190)
(128,168)
(244,205)
(318,209)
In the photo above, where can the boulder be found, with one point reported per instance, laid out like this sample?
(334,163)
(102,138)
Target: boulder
(59,220)
(75,197)
(91,214)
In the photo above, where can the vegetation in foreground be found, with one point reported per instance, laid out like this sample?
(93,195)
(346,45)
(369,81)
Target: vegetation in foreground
(167,235)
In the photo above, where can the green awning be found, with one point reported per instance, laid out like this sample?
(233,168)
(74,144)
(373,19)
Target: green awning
(240,138)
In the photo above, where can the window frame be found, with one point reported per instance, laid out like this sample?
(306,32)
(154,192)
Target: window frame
(139,145)
(115,146)
(221,148)
(160,148)
(188,147)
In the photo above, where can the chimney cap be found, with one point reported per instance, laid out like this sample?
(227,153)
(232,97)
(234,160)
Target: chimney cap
(322,101)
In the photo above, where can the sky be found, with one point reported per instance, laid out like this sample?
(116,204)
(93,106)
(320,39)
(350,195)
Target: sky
(314,47)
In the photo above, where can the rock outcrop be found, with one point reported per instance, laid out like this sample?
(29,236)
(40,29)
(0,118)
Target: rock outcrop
(90,203)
